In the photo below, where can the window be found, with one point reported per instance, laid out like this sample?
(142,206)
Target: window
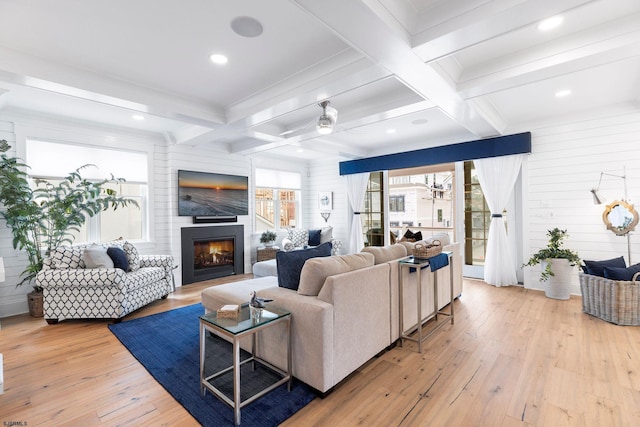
(396,203)
(477,217)
(373,214)
(52,161)
(277,199)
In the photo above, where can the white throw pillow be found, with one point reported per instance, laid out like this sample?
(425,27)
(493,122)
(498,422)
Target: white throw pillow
(96,257)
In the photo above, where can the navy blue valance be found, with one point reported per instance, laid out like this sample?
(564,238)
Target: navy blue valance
(480,149)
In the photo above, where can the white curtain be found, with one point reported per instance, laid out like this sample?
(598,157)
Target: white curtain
(497,177)
(356,186)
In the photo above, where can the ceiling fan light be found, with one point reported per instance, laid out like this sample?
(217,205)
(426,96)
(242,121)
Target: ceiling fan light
(325,125)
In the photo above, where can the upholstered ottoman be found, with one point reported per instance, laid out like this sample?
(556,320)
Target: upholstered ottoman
(265,268)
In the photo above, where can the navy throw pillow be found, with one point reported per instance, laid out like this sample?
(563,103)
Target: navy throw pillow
(119,258)
(615,273)
(596,268)
(418,236)
(314,237)
(289,264)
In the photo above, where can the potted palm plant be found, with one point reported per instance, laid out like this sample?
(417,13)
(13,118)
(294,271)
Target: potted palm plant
(44,216)
(557,263)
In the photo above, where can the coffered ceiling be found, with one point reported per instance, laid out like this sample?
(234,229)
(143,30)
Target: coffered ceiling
(402,74)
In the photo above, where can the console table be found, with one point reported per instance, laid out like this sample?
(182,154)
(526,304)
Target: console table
(267,253)
(418,264)
(233,330)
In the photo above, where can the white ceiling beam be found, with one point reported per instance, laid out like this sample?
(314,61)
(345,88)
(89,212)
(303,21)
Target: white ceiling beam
(484,24)
(294,100)
(25,70)
(361,28)
(574,53)
(271,142)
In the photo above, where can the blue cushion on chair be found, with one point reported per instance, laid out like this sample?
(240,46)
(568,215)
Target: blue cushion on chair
(596,268)
(314,237)
(289,264)
(119,258)
(615,273)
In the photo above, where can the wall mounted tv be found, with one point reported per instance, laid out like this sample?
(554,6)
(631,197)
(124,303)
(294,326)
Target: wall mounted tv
(212,194)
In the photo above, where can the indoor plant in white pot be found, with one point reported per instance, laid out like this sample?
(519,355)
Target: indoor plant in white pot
(268,238)
(557,264)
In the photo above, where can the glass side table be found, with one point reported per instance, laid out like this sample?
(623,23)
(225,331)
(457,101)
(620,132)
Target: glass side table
(233,330)
(418,264)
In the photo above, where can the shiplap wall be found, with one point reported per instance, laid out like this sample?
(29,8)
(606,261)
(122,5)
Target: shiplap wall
(324,175)
(565,164)
(204,159)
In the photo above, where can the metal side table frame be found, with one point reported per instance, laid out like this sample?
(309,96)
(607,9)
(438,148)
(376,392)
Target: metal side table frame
(233,331)
(419,264)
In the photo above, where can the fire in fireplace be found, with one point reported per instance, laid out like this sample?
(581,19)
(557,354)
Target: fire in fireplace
(211,252)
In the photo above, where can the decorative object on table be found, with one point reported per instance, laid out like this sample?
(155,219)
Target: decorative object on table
(256,305)
(619,216)
(268,238)
(229,311)
(428,249)
(267,253)
(47,216)
(557,263)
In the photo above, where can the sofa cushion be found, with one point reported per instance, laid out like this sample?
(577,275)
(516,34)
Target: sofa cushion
(315,271)
(67,257)
(289,264)
(596,268)
(314,237)
(326,234)
(133,258)
(387,253)
(443,237)
(96,256)
(119,258)
(621,273)
(143,277)
(299,237)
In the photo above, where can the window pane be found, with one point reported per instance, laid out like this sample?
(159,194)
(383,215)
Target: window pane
(125,222)
(265,209)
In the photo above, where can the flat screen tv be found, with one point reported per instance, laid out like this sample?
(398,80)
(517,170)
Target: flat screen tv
(212,194)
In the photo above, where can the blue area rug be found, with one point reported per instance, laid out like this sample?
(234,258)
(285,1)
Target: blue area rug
(167,345)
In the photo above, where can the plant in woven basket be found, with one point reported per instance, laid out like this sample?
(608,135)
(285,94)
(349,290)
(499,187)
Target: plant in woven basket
(44,216)
(554,250)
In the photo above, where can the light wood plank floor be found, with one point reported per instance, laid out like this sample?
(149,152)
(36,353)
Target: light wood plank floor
(513,358)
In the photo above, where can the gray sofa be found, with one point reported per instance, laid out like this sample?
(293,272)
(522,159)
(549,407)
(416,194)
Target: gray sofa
(345,312)
(74,291)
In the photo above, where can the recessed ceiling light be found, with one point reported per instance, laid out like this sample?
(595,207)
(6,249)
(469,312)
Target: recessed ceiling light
(219,59)
(419,121)
(550,23)
(390,131)
(137,117)
(563,93)
(246,26)
(300,150)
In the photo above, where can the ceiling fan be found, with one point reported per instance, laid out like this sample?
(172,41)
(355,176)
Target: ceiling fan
(328,118)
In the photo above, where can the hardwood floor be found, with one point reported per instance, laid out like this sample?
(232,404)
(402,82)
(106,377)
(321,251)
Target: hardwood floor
(512,358)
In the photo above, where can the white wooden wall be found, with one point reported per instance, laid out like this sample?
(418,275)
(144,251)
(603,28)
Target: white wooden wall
(324,175)
(565,164)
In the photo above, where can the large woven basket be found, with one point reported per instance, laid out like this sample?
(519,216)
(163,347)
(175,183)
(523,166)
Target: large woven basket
(611,300)
(427,250)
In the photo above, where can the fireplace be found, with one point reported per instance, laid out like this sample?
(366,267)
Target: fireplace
(212,252)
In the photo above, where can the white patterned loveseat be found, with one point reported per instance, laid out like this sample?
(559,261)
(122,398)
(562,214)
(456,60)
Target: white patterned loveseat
(74,290)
